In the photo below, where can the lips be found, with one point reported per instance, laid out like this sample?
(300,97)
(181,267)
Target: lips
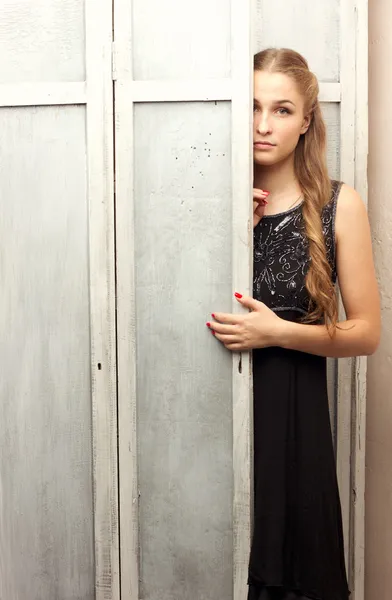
(264,144)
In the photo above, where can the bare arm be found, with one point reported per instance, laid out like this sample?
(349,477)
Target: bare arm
(360,333)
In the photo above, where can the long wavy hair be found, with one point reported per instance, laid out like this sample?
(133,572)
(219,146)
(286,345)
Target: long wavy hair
(312,175)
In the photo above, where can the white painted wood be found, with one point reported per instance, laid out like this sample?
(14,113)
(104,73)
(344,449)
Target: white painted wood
(183,229)
(46,47)
(46,512)
(187,40)
(102,294)
(178,91)
(352,373)
(331,114)
(42,94)
(348,91)
(42,40)
(311,28)
(347,174)
(134,108)
(329,92)
(359,404)
(126,307)
(195,91)
(242,245)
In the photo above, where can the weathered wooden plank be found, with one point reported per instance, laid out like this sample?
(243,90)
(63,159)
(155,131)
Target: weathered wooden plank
(186,40)
(183,262)
(189,90)
(347,174)
(358,464)
(242,269)
(126,300)
(46,524)
(102,294)
(311,28)
(42,41)
(42,94)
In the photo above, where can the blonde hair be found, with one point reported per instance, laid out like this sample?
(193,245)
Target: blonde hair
(313,178)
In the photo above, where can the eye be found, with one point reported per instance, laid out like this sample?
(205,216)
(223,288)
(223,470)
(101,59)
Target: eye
(283,111)
(255,108)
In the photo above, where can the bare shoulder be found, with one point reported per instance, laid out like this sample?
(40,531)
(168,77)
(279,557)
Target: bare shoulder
(351,212)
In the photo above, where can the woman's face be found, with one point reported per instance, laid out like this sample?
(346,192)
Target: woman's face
(279,117)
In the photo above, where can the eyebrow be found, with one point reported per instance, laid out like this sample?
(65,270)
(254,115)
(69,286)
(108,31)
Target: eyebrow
(278,102)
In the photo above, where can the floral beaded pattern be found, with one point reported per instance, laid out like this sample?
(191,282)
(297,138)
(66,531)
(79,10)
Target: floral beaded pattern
(281,256)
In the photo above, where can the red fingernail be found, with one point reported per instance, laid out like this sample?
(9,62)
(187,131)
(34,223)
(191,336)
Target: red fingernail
(212,315)
(213,332)
(268,193)
(237,295)
(208,324)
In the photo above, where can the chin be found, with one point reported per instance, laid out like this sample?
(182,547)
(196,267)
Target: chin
(265,161)
(269,159)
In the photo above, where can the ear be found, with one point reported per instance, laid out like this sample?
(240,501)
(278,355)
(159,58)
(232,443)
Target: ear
(306,124)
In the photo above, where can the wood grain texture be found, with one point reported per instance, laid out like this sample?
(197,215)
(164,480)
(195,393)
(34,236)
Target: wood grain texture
(100,155)
(42,94)
(186,40)
(126,307)
(360,389)
(242,275)
(331,114)
(183,270)
(42,40)
(311,28)
(347,169)
(46,525)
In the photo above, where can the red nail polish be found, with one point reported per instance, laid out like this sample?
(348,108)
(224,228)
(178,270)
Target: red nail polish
(265,192)
(237,295)
(212,315)
(213,332)
(208,324)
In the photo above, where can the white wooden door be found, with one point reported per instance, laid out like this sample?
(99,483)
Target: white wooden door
(332,35)
(180,231)
(58,454)
(183,75)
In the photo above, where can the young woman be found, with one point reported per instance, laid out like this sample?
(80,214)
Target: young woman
(308,232)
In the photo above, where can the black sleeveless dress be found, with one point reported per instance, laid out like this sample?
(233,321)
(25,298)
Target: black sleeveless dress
(297,549)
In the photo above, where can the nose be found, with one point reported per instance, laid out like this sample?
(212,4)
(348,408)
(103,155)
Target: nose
(263,124)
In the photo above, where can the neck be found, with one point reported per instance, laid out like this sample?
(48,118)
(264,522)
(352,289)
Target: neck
(279,179)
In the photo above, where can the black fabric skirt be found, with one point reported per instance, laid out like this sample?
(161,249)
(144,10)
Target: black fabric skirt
(277,593)
(297,550)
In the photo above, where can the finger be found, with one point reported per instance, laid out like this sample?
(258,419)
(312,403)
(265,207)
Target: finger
(259,202)
(228,339)
(260,210)
(248,302)
(227,319)
(238,347)
(223,329)
(262,194)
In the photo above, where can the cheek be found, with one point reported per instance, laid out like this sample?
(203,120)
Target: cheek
(289,133)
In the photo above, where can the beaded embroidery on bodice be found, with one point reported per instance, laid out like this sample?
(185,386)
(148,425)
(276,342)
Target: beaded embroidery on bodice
(281,256)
